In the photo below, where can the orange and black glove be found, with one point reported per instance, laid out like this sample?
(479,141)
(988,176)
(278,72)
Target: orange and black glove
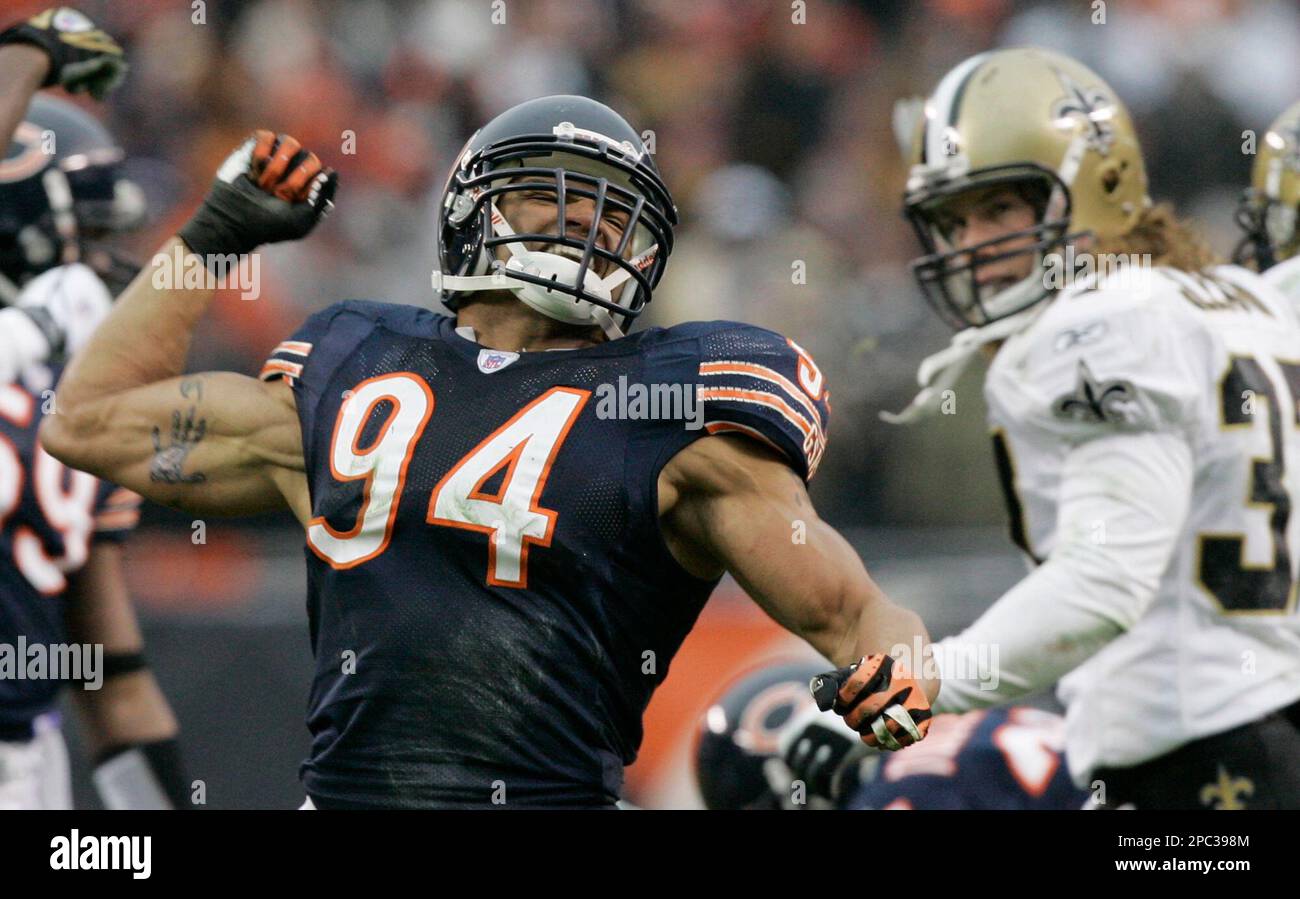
(83,57)
(878,698)
(268,190)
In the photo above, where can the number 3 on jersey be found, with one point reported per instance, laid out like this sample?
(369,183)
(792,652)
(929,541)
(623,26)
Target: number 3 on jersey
(521,451)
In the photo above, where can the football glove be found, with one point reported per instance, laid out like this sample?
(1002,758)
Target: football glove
(268,190)
(82,56)
(877,697)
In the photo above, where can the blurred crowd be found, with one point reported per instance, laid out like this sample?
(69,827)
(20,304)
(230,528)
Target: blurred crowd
(771,122)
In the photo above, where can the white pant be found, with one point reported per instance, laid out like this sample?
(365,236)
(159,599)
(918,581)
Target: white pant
(34,775)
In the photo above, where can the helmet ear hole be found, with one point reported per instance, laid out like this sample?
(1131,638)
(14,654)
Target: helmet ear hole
(1110,179)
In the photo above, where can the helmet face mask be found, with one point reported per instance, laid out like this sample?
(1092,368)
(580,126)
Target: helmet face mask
(578,278)
(1269,210)
(951,272)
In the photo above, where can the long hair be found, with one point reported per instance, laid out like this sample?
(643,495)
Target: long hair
(1169,240)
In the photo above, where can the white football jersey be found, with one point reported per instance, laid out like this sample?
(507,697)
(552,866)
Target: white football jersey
(1285,276)
(1213,358)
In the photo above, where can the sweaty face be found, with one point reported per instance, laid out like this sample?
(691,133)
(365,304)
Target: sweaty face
(983,216)
(535,211)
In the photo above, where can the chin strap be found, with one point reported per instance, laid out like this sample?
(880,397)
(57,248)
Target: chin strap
(940,371)
(521,259)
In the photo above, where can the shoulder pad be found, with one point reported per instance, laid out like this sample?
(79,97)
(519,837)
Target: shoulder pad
(760,384)
(335,330)
(1106,359)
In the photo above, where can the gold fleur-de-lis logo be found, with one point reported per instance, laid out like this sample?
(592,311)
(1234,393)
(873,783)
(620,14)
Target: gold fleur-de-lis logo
(1092,106)
(1222,795)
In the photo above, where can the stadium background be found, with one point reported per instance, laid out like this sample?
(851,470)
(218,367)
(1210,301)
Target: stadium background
(775,137)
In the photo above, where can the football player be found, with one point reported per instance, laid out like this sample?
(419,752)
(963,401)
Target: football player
(1269,213)
(61,577)
(510,529)
(765,745)
(56,47)
(1145,430)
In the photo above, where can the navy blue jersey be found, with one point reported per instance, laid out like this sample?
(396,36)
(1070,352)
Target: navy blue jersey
(1009,758)
(48,516)
(490,598)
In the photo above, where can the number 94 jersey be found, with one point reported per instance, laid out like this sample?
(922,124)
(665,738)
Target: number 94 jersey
(1214,358)
(490,597)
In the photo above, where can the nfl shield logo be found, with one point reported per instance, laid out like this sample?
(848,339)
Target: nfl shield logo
(494,360)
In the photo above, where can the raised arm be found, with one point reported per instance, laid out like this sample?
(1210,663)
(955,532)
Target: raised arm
(58,46)
(219,442)
(728,503)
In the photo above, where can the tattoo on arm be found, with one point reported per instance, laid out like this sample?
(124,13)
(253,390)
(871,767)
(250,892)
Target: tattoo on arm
(168,461)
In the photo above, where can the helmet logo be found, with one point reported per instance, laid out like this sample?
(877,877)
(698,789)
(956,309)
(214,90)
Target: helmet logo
(30,158)
(1092,107)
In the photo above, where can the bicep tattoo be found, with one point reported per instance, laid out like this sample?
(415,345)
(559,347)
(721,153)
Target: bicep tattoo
(169,459)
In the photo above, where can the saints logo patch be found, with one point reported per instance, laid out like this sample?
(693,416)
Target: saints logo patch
(1097,401)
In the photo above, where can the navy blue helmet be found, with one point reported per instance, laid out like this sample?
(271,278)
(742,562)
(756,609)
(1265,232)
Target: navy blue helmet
(61,188)
(571,148)
(741,730)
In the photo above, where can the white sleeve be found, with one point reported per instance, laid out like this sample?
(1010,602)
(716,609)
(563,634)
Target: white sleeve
(1124,499)
(22,344)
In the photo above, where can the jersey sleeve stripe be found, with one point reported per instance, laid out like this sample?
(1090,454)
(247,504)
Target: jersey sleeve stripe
(293,347)
(762,372)
(276,367)
(809,429)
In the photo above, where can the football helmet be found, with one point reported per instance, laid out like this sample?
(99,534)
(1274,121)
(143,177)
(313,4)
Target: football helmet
(1042,123)
(740,734)
(61,187)
(571,147)
(1269,209)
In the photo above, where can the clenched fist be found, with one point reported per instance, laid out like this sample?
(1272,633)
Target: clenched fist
(269,189)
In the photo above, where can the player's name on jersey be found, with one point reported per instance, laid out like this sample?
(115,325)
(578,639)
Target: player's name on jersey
(182,270)
(82,662)
(661,402)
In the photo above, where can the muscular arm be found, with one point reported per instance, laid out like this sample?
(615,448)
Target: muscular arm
(22,71)
(129,708)
(207,443)
(727,503)
(216,443)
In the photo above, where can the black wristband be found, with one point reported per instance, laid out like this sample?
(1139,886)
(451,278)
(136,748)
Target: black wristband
(118,663)
(164,760)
